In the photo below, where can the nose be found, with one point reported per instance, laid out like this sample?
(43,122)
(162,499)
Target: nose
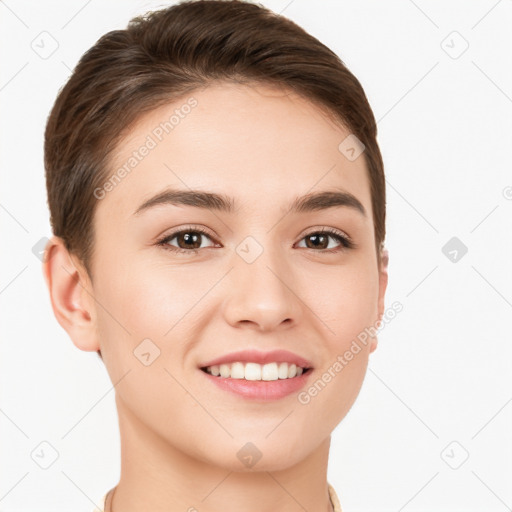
(261,294)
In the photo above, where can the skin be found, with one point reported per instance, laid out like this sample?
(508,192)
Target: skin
(179,433)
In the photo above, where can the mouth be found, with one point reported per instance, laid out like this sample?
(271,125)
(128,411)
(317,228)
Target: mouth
(257,372)
(259,376)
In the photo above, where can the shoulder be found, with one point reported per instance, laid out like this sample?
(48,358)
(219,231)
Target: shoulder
(334,498)
(101,504)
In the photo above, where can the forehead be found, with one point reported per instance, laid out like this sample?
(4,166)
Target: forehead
(250,142)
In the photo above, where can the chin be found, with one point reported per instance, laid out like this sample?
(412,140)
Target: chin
(259,456)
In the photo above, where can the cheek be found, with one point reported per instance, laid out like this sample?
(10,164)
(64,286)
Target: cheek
(347,311)
(139,308)
(149,300)
(347,302)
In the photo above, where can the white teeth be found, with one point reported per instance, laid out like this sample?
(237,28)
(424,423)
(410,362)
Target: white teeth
(282,373)
(237,371)
(255,371)
(252,371)
(269,372)
(225,370)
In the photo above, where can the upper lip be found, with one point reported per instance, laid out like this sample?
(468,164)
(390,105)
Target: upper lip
(255,356)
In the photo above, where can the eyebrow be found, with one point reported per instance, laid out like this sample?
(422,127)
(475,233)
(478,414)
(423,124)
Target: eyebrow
(222,203)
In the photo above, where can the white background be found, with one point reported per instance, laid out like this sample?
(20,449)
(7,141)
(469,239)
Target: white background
(443,368)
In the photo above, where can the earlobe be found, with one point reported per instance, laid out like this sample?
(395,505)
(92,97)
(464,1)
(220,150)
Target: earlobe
(70,295)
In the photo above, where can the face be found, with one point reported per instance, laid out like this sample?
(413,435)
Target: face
(181,285)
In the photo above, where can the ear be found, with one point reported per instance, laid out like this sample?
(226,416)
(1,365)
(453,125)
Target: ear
(71,294)
(383,283)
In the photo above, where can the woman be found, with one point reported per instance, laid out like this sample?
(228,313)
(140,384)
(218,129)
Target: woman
(217,200)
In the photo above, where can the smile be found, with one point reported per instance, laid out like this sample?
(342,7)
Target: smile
(260,383)
(255,371)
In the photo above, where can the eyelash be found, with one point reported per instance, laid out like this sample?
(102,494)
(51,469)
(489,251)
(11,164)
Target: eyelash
(346,242)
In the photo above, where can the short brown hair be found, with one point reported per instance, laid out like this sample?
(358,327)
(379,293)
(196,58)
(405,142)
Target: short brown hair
(166,54)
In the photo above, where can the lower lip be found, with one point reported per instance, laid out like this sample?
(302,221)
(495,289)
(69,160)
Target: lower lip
(261,390)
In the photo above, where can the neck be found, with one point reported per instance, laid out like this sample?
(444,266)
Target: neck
(159,477)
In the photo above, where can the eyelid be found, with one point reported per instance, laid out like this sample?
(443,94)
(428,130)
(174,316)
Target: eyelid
(326,230)
(188,227)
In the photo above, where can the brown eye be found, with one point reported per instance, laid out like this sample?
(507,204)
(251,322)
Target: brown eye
(187,240)
(321,240)
(317,241)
